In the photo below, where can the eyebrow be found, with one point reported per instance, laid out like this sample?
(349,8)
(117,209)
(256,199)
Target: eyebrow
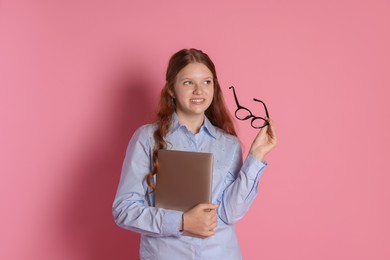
(188,78)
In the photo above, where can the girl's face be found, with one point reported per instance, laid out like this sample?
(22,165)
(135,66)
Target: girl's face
(193,90)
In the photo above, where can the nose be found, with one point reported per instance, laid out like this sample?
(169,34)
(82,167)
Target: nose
(198,88)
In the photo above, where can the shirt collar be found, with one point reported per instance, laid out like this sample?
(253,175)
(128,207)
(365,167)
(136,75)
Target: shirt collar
(207,126)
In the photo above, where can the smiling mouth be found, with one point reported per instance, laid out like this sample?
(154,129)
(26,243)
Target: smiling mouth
(198,100)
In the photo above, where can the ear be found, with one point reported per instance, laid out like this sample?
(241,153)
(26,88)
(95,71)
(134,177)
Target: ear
(171,93)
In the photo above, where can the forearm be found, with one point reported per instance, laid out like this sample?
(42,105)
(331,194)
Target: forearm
(136,216)
(240,194)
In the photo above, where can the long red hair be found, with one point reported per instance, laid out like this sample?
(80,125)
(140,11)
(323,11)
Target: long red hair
(217,112)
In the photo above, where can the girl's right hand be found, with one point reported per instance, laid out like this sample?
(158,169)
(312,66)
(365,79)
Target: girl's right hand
(201,220)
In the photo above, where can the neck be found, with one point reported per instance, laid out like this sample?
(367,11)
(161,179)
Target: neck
(193,123)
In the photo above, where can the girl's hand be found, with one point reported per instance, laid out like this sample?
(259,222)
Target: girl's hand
(264,142)
(201,220)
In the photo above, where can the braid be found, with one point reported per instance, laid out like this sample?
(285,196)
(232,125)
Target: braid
(164,118)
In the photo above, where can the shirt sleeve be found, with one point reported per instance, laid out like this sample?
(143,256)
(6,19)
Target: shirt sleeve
(243,181)
(131,208)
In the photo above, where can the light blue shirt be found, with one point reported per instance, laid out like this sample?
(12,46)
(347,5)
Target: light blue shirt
(235,186)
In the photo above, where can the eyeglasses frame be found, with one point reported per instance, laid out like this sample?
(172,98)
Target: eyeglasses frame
(239,107)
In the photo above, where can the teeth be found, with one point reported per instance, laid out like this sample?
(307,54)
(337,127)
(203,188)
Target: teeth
(197,100)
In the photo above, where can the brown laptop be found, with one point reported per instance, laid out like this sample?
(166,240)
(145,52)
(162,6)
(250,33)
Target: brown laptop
(184,179)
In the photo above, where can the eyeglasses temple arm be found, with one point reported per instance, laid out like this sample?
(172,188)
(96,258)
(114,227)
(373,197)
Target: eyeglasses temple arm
(265,107)
(235,96)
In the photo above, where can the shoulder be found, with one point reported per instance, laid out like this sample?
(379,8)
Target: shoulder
(145,129)
(144,133)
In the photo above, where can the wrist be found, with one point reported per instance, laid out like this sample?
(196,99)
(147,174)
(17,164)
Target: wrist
(259,156)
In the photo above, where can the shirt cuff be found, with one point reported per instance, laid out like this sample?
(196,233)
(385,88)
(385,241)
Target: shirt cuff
(171,222)
(253,167)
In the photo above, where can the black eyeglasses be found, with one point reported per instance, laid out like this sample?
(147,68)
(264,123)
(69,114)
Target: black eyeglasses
(243,113)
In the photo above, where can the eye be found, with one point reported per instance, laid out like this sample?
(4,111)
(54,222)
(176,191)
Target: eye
(207,82)
(187,83)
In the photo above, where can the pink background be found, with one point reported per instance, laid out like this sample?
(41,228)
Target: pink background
(77,78)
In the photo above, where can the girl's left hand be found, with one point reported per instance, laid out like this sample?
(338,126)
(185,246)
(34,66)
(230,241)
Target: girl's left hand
(264,142)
